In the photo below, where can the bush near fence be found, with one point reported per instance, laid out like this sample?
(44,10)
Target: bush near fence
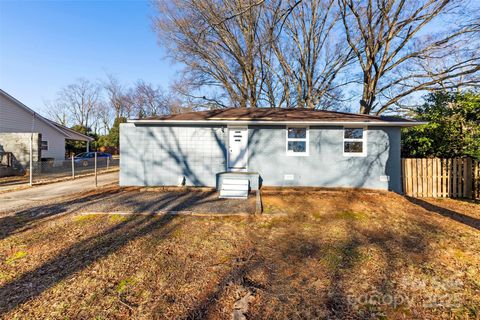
(441,178)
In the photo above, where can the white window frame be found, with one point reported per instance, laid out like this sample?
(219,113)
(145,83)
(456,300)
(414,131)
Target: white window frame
(306,139)
(42,145)
(363,140)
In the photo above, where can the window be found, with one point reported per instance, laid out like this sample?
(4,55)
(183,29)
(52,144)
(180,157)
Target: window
(44,145)
(297,141)
(354,142)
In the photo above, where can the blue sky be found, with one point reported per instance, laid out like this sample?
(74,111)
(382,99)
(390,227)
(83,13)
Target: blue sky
(45,45)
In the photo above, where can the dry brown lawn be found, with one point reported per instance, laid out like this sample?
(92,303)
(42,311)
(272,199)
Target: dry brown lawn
(331,254)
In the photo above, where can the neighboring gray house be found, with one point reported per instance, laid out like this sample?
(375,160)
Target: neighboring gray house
(17,124)
(270,147)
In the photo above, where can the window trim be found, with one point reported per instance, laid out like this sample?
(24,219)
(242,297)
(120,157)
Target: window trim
(306,139)
(363,140)
(44,145)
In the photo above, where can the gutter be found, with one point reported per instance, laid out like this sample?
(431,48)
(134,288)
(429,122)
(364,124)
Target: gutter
(274,123)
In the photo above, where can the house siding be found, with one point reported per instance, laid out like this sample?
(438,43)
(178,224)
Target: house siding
(326,166)
(163,155)
(14,119)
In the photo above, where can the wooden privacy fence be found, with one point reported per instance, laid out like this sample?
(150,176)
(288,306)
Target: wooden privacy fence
(442,178)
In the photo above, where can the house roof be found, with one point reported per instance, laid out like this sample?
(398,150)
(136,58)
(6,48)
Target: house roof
(70,133)
(276,116)
(66,132)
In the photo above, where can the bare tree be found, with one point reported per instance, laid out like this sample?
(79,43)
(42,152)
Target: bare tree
(310,51)
(57,113)
(79,103)
(249,53)
(406,46)
(218,42)
(105,116)
(149,100)
(117,96)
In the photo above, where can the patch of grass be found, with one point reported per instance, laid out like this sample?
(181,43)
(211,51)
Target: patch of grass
(350,215)
(21,218)
(466,312)
(269,209)
(177,233)
(341,256)
(332,257)
(84,217)
(124,285)
(16,256)
(271,223)
(117,218)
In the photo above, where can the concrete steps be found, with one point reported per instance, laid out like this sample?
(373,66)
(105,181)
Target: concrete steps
(234,188)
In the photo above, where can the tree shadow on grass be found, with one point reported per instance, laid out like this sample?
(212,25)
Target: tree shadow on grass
(154,202)
(459,217)
(335,305)
(84,253)
(396,246)
(149,202)
(76,258)
(289,292)
(28,218)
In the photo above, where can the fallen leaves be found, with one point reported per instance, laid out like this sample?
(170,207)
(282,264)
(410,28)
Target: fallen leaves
(339,255)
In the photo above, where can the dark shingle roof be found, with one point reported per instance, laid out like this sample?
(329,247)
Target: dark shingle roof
(274,115)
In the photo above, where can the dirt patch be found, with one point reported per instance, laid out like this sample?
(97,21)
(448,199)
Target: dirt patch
(337,255)
(161,202)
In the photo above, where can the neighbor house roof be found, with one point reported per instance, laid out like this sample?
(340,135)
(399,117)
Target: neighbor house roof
(271,116)
(70,133)
(66,132)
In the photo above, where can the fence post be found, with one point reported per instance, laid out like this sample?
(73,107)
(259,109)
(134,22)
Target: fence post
(95,169)
(476,179)
(108,162)
(73,165)
(31,160)
(468,183)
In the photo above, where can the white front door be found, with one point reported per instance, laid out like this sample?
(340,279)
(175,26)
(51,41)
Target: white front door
(237,149)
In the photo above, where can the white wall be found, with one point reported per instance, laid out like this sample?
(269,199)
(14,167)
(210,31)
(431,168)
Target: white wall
(14,118)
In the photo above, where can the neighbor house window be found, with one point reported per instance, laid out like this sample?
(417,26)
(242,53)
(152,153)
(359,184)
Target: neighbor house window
(297,141)
(354,141)
(44,145)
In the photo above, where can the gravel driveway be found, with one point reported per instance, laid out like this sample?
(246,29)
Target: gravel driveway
(148,202)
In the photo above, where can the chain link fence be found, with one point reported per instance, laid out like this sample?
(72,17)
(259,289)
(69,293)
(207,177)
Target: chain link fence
(50,170)
(53,170)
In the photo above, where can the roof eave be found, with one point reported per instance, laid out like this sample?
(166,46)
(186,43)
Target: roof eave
(273,123)
(49,122)
(71,134)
